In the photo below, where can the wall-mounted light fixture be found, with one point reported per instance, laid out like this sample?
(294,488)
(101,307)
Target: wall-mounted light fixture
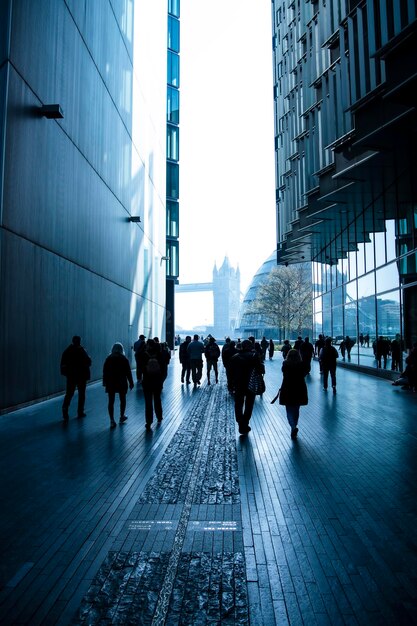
(51,111)
(134,218)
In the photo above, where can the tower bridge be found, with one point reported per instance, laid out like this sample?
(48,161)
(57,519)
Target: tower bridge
(226,296)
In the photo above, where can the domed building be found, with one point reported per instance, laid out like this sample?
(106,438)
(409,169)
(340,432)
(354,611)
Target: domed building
(254,324)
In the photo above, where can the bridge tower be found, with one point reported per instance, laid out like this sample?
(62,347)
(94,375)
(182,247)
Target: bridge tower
(226,299)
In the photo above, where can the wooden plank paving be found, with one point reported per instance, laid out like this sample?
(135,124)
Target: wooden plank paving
(325,524)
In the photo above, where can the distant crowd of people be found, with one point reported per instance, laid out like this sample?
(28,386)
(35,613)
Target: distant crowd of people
(243,362)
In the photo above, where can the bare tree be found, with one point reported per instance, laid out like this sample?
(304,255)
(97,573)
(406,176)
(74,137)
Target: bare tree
(284,300)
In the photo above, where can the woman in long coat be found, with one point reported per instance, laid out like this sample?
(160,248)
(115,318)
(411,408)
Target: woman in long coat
(116,376)
(293,392)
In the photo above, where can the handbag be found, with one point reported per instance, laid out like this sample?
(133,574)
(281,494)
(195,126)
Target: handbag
(256,383)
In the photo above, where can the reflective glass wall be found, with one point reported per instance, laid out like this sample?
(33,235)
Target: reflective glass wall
(370,295)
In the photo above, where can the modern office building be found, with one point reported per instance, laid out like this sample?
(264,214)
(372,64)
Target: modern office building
(83,170)
(345,75)
(173,156)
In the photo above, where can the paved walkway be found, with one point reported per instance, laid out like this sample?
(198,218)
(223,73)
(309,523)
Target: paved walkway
(192,524)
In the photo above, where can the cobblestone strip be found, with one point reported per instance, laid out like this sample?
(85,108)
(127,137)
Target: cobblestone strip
(203,436)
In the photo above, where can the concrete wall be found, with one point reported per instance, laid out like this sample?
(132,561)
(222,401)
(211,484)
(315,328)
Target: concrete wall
(71,262)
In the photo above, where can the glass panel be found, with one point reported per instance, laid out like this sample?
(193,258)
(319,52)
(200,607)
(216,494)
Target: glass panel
(379,248)
(174,7)
(338,297)
(366,286)
(173,69)
(361,259)
(173,142)
(318,324)
(173,106)
(350,331)
(390,238)
(369,254)
(327,315)
(389,328)
(352,265)
(172,219)
(318,304)
(173,34)
(338,324)
(387,278)
(367,330)
(172,181)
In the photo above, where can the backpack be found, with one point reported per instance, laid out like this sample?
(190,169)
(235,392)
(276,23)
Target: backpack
(152,366)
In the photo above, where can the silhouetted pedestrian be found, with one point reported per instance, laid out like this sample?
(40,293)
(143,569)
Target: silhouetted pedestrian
(138,348)
(271,349)
(229,349)
(285,348)
(396,353)
(349,342)
(264,347)
(196,350)
(166,359)
(185,360)
(212,354)
(298,342)
(317,347)
(117,375)
(75,366)
(306,351)
(328,356)
(241,366)
(293,392)
(382,351)
(152,382)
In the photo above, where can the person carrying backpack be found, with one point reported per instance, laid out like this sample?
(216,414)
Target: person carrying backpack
(212,354)
(152,381)
(328,355)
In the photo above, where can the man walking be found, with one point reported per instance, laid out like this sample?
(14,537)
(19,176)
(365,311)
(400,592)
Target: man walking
(212,353)
(185,360)
(138,348)
(195,351)
(75,366)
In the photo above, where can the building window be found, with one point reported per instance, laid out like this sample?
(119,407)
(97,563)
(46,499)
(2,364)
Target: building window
(173,136)
(172,219)
(173,106)
(172,259)
(172,181)
(173,69)
(174,7)
(173,34)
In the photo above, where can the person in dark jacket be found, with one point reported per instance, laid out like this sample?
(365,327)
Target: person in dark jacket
(116,377)
(229,349)
(293,392)
(328,356)
(306,351)
(195,351)
(153,380)
(271,349)
(212,354)
(241,366)
(75,366)
(285,348)
(138,348)
(264,347)
(185,360)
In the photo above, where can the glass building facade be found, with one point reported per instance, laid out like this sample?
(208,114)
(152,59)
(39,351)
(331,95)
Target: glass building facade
(345,88)
(173,157)
(72,259)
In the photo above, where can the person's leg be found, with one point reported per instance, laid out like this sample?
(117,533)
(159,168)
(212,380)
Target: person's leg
(209,364)
(293,412)
(122,396)
(157,404)
(110,405)
(216,371)
(333,377)
(70,390)
(325,377)
(187,373)
(199,370)
(239,400)
(194,374)
(148,406)
(247,412)
(183,372)
(81,397)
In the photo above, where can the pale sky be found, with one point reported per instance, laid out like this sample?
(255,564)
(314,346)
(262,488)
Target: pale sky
(227,181)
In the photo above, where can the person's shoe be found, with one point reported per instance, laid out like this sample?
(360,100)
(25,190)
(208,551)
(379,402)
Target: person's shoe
(325,388)
(244,430)
(208,382)
(217,380)
(182,379)
(148,427)
(187,382)
(123,418)
(294,432)
(195,385)
(82,415)
(65,418)
(159,419)
(113,424)
(334,388)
